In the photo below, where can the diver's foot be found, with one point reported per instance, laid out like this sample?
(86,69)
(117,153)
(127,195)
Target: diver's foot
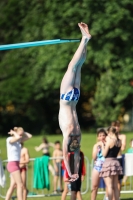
(84,30)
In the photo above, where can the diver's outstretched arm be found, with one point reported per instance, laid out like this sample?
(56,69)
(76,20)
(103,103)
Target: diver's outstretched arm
(73,177)
(76,161)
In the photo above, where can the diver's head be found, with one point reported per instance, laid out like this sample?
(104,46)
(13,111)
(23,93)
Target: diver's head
(74,145)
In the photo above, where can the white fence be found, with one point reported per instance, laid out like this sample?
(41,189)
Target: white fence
(34,193)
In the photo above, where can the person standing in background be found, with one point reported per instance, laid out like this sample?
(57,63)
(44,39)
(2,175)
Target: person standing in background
(44,146)
(98,162)
(111,167)
(13,143)
(57,162)
(130,150)
(122,137)
(24,160)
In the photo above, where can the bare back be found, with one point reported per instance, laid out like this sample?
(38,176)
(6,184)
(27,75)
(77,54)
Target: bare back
(114,142)
(122,137)
(45,148)
(24,158)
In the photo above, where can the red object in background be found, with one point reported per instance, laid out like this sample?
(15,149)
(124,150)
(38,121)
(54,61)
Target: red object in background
(131,82)
(63,165)
(83,170)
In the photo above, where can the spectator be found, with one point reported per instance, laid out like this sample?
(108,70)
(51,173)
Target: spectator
(122,137)
(45,150)
(24,160)
(98,162)
(18,135)
(130,150)
(45,147)
(57,162)
(111,167)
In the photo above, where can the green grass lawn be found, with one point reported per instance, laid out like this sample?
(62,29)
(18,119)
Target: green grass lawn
(88,140)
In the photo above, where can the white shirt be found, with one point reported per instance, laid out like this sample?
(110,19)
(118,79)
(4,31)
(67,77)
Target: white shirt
(13,150)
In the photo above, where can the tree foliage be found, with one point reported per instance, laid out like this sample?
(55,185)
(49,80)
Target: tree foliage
(30,78)
(114,61)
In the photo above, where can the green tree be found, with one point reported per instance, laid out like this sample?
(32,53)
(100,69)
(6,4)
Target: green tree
(113,56)
(30,78)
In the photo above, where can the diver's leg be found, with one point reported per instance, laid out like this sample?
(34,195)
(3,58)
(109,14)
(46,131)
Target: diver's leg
(68,81)
(78,71)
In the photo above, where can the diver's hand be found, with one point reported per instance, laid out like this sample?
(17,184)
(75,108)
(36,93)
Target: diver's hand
(73,177)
